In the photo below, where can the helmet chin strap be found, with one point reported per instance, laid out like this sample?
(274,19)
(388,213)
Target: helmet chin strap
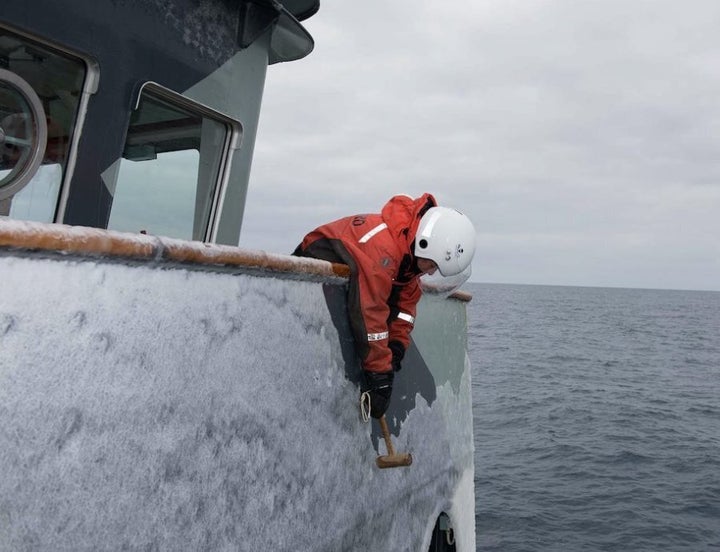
(414,264)
(409,266)
(415,268)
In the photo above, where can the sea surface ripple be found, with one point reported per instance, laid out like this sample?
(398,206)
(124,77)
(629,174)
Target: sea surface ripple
(597,418)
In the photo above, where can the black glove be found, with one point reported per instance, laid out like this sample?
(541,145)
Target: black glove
(398,353)
(379,386)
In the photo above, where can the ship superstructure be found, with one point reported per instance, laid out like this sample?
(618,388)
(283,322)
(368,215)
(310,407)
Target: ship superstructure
(161,388)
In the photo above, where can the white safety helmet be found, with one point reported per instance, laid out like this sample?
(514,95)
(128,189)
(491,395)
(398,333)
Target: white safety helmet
(446,237)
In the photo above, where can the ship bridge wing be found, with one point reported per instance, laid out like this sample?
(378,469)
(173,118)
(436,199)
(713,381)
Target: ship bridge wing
(289,40)
(302,9)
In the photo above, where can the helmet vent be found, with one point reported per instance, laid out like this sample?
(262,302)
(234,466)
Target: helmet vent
(423,244)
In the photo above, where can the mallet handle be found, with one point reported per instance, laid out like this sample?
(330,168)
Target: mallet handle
(386,435)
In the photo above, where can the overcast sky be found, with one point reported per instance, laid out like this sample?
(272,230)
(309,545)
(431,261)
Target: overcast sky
(582,137)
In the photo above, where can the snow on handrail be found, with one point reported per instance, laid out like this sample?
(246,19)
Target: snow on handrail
(91,242)
(83,241)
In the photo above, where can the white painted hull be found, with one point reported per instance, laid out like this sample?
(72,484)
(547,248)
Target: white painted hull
(144,406)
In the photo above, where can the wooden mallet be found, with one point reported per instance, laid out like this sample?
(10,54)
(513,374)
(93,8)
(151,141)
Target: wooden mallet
(391,459)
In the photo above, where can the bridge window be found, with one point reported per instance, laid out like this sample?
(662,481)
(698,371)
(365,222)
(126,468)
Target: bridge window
(40,94)
(176,156)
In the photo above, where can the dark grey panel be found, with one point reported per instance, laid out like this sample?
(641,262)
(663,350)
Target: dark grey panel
(174,43)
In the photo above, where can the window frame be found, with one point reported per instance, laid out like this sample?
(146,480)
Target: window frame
(232,141)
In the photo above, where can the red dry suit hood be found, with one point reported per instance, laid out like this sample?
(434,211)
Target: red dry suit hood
(402,215)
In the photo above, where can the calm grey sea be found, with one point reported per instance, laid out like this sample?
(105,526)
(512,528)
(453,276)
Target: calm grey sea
(597,418)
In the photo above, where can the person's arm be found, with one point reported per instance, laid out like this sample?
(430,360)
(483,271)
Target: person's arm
(370,287)
(373,288)
(403,308)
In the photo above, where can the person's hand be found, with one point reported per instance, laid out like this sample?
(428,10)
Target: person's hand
(398,353)
(379,387)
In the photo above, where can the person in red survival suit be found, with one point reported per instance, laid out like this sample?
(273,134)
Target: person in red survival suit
(388,253)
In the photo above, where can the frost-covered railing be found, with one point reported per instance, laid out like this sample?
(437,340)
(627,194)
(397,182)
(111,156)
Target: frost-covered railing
(83,241)
(78,240)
